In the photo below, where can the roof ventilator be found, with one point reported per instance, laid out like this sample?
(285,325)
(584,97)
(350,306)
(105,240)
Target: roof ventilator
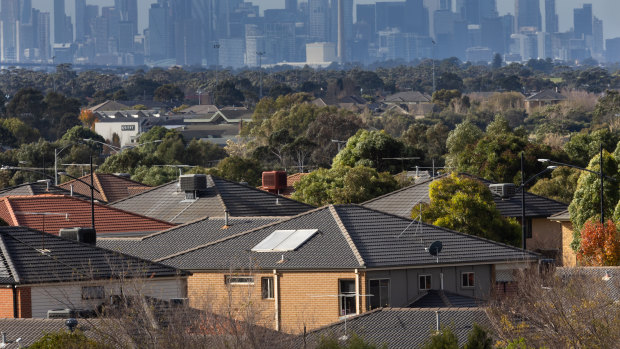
(503,190)
(83,235)
(192,184)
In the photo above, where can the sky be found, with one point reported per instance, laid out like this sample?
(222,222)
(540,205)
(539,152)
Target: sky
(607,10)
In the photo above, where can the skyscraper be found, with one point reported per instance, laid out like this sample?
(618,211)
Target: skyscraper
(318,20)
(60,25)
(290,5)
(129,12)
(80,20)
(583,21)
(44,40)
(551,17)
(159,33)
(527,14)
(9,38)
(418,15)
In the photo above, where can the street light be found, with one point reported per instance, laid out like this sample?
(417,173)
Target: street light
(522,187)
(600,173)
(56,153)
(117,149)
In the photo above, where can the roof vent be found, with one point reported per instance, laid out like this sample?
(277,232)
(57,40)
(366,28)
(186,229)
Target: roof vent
(503,190)
(274,181)
(83,235)
(193,182)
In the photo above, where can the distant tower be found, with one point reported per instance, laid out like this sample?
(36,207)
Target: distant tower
(290,5)
(341,39)
(60,24)
(527,14)
(551,17)
(583,21)
(318,20)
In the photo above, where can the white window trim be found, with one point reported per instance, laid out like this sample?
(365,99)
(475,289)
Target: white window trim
(228,282)
(468,286)
(430,283)
(271,287)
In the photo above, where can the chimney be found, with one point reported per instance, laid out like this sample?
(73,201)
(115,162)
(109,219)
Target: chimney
(438,320)
(71,189)
(4,343)
(226,226)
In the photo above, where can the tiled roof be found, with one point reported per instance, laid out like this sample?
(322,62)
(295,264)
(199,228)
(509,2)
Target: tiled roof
(109,106)
(407,97)
(167,202)
(31,330)
(111,187)
(547,95)
(181,238)
(563,216)
(50,213)
(444,299)
(23,262)
(38,188)
(404,328)
(350,236)
(597,273)
(402,201)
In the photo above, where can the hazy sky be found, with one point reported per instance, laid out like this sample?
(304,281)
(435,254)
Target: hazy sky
(607,10)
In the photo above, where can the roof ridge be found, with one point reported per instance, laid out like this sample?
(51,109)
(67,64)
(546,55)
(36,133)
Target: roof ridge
(142,193)
(346,234)
(99,186)
(172,228)
(9,207)
(238,235)
(403,189)
(260,191)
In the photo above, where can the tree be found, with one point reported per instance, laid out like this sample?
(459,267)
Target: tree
(464,136)
(343,185)
(443,97)
(331,124)
(227,94)
(600,244)
(369,148)
(586,201)
(239,169)
(202,153)
(478,338)
(498,61)
(27,105)
(607,109)
(444,339)
(63,339)
(585,145)
(354,342)
(7,139)
(466,205)
(560,187)
(168,93)
(20,130)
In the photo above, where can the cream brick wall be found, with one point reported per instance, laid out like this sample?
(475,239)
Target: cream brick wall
(569,258)
(546,235)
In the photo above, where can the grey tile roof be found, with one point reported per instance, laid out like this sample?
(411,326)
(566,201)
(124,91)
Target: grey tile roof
(350,236)
(402,201)
(38,188)
(597,274)
(31,330)
(403,327)
(443,299)
(547,95)
(563,216)
(167,202)
(408,97)
(23,262)
(187,236)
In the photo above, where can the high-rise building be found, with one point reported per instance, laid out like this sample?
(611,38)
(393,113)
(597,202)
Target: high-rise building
(597,37)
(527,15)
(612,52)
(318,21)
(160,42)
(60,22)
(390,15)
(129,12)
(44,37)
(81,22)
(25,11)
(418,22)
(365,17)
(9,30)
(583,21)
(551,17)
(290,5)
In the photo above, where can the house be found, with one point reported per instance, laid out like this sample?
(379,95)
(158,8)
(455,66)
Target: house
(50,213)
(109,106)
(29,331)
(208,196)
(543,235)
(110,187)
(546,97)
(402,328)
(407,97)
(39,188)
(41,272)
(308,271)
(569,257)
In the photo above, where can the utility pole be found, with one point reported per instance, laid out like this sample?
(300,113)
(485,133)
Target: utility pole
(216,46)
(260,68)
(602,178)
(434,83)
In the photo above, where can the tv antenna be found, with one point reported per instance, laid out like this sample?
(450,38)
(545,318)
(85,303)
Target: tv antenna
(435,248)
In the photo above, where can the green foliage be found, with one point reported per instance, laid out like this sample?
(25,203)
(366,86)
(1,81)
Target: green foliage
(354,342)
(608,108)
(154,175)
(369,148)
(459,140)
(560,187)
(586,201)
(227,94)
(466,205)
(343,185)
(79,134)
(584,146)
(68,340)
(427,142)
(238,169)
(444,339)
(478,338)
(20,130)
(7,139)
(443,97)
(168,93)
(517,344)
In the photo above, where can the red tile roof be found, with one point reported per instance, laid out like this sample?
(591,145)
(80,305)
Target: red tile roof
(50,213)
(111,187)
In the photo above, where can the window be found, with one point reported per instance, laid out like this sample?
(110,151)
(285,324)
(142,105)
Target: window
(425,282)
(528,228)
(93,292)
(380,293)
(266,285)
(467,279)
(347,297)
(239,280)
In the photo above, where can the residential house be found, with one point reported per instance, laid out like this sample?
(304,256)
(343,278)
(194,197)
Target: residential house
(109,187)
(310,270)
(50,213)
(569,257)
(29,330)
(41,272)
(39,188)
(546,97)
(543,236)
(208,196)
(402,328)
(109,106)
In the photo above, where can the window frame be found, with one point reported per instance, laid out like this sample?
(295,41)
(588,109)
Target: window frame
(430,282)
(389,293)
(94,292)
(472,279)
(269,292)
(342,299)
(228,278)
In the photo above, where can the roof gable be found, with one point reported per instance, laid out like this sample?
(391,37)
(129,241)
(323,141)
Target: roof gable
(111,187)
(547,95)
(37,257)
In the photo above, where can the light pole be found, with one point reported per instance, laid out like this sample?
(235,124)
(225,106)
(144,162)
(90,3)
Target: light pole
(117,149)
(434,84)
(522,187)
(600,173)
(260,68)
(199,92)
(56,153)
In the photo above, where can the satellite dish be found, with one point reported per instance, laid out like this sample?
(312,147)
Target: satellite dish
(435,248)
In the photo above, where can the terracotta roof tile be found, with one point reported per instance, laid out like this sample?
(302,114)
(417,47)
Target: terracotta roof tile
(111,187)
(50,213)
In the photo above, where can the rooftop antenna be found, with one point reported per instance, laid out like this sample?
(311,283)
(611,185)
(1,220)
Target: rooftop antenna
(43,214)
(435,248)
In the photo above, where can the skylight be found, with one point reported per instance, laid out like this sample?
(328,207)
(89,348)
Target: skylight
(284,240)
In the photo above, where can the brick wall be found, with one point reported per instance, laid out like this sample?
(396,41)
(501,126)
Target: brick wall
(305,298)
(24,303)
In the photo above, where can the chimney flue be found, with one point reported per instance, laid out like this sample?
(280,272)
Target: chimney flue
(3,338)
(437,320)
(226,218)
